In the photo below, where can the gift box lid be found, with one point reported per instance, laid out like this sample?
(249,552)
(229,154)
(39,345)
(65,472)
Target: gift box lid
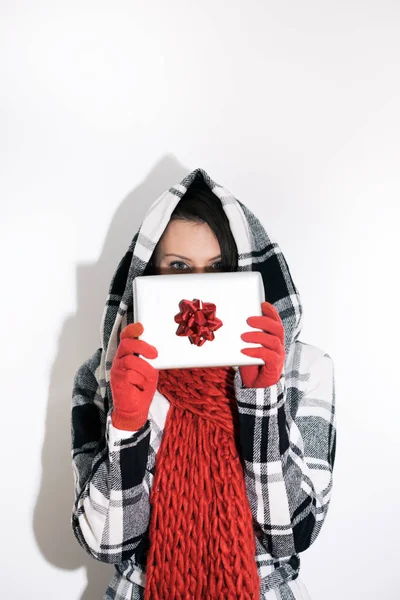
(196,319)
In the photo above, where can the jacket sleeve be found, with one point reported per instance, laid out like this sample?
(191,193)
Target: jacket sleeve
(288,455)
(111,509)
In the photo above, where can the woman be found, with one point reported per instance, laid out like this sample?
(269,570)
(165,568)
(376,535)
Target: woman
(203,483)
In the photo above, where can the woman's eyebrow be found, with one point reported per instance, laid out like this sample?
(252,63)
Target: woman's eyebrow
(186,258)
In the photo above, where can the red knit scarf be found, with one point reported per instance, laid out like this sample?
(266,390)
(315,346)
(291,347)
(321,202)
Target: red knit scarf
(202,543)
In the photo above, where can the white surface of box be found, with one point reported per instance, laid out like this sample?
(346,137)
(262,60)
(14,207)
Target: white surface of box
(237,296)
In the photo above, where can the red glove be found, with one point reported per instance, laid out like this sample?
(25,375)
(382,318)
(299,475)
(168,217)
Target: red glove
(271,350)
(133,380)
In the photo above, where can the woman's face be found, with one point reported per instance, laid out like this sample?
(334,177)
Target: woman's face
(187,247)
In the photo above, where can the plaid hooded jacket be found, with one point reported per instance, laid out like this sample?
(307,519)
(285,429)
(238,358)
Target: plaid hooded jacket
(287,431)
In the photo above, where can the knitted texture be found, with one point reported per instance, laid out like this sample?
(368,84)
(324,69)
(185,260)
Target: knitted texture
(202,543)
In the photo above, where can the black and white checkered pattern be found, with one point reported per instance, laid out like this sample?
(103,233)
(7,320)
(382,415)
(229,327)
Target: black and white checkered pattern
(287,431)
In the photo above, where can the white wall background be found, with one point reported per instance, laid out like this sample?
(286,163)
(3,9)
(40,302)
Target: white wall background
(294,107)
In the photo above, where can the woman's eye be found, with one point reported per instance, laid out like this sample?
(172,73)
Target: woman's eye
(216,266)
(178,265)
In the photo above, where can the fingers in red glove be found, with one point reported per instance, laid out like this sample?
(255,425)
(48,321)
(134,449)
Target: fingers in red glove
(269,310)
(123,378)
(265,375)
(273,342)
(269,325)
(133,380)
(130,346)
(271,348)
(268,356)
(134,370)
(133,330)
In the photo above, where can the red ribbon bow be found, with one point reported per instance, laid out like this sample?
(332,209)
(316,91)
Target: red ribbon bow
(197,320)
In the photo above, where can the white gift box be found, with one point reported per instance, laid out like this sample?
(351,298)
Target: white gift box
(159,298)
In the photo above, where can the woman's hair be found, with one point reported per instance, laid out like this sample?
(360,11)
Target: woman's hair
(200,205)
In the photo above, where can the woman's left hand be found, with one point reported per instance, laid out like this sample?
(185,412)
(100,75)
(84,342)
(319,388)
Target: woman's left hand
(271,349)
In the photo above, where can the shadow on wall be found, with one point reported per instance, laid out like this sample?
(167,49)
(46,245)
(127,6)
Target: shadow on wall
(80,337)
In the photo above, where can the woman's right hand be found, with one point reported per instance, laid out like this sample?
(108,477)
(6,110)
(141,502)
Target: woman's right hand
(133,380)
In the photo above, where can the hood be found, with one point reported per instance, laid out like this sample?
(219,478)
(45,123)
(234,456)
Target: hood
(257,251)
